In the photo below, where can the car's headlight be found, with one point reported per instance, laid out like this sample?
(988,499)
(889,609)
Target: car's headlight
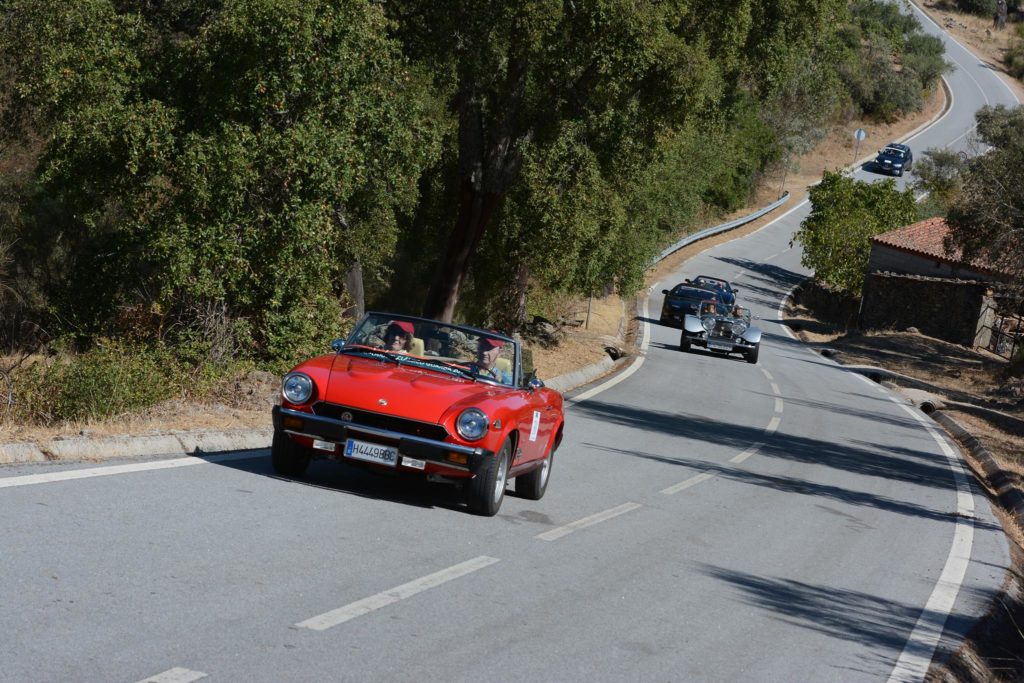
(708,323)
(297,387)
(472,424)
(739,327)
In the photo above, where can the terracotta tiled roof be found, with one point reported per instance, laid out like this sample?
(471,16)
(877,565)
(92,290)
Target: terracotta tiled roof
(926,239)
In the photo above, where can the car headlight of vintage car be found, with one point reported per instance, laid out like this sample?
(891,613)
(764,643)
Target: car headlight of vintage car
(472,424)
(297,387)
(708,323)
(739,327)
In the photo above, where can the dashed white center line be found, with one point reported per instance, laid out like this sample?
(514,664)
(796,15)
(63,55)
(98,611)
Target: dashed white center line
(746,454)
(767,375)
(388,597)
(778,405)
(175,675)
(776,390)
(773,424)
(555,534)
(683,485)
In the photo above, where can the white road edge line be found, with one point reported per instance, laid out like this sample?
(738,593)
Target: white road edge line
(625,374)
(375,602)
(683,485)
(917,654)
(67,475)
(555,534)
(175,675)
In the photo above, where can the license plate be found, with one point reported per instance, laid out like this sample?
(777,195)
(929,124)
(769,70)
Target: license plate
(719,347)
(371,452)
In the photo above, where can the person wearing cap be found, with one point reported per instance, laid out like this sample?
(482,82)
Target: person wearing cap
(398,336)
(486,365)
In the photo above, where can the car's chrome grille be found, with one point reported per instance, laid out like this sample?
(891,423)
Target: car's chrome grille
(723,329)
(427,430)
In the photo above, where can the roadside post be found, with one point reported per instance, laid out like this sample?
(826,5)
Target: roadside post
(859,135)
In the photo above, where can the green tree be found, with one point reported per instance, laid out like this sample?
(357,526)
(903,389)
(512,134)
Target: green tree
(987,217)
(219,161)
(845,215)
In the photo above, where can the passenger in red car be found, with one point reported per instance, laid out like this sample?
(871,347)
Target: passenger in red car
(487,357)
(398,336)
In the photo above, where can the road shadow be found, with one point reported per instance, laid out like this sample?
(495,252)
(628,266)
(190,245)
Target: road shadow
(405,489)
(854,616)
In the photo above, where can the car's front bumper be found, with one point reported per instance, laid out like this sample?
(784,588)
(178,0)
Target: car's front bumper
(720,344)
(308,425)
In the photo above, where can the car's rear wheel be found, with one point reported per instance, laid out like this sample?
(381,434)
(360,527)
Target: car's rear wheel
(752,354)
(533,484)
(288,458)
(684,343)
(486,490)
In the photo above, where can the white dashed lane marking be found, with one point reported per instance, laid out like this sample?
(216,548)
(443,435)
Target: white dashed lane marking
(561,531)
(175,675)
(746,454)
(388,597)
(773,424)
(683,485)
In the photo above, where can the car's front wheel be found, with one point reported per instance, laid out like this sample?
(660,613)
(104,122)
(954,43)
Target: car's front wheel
(752,354)
(486,490)
(684,343)
(533,484)
(288,458)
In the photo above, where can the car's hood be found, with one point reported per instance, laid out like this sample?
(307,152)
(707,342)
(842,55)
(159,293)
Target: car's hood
(411,392)
(885,158)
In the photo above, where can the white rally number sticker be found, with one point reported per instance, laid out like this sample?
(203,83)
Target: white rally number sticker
(535,426)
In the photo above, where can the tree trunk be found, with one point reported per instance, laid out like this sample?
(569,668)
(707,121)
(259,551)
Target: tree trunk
(475,211)
(354,287)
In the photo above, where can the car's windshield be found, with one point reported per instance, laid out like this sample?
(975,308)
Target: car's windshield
(470,351)
(890,151)
(692,292)
(711,282)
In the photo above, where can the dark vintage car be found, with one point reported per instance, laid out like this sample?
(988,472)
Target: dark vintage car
(721,329)
(894,159)
(446,402)
(684,299)
(726,292)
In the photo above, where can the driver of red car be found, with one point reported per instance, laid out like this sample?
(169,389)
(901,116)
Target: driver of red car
(486,363)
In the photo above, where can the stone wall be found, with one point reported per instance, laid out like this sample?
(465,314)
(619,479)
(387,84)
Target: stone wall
(954,310)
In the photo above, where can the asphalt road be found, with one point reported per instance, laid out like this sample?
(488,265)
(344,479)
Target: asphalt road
(707,519)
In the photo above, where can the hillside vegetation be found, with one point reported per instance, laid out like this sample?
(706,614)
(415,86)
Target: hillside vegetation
(218,184)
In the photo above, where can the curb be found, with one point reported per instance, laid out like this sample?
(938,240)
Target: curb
(175,445)
(1010,497)
(585,375)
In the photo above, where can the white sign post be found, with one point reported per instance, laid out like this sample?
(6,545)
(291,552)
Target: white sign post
(859,135)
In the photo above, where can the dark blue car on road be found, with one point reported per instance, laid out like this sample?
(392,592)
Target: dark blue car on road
(894,159)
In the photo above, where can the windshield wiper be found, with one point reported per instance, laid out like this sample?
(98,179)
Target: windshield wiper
(371,352)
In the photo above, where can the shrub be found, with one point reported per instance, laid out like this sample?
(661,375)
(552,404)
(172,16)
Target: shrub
(982,8)
(111,379)
(1014,57)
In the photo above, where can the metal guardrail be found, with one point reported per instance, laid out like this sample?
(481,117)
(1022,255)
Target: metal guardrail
(724,227)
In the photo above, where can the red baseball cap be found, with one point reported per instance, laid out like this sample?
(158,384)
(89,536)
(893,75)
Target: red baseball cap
(491,342)
(403,325)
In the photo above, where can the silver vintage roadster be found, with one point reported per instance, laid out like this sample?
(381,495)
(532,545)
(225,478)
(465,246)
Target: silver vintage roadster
(722,329)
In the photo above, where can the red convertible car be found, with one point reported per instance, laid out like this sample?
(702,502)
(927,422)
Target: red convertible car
(406,394)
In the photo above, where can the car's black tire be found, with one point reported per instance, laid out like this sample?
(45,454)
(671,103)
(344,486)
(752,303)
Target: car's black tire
(486,490)
(288,458)
(899,174)
(534,483)
(752,354)
(684,343)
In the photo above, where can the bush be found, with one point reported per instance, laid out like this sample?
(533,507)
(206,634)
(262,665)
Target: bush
(112,379)
(1014,57)
(983,8)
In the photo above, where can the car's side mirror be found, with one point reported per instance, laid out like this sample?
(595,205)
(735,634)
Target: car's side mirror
(735,290)
(664,291)
(337,345)
(535,383)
